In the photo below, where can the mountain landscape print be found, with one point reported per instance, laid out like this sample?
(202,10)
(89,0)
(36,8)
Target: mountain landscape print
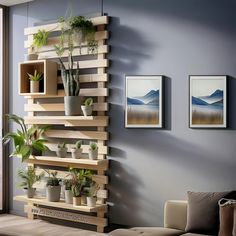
(143,101)
(207,101)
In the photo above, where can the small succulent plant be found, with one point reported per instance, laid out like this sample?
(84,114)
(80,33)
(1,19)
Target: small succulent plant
(93,146)
(36,76)
(78,144)
(88,102)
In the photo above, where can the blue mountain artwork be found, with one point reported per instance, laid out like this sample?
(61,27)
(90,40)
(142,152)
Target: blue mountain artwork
(198,101)
(133,101)
(217,94)
(151,98)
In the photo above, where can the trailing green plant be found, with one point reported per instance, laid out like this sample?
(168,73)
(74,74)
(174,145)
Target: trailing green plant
(40,38)
(93,146)
(29,177)
(88,102)
(25,140)
(61,145)
(52,178)
(36,76)
(78,144)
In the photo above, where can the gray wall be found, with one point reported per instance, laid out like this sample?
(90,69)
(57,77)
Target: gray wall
(164,37)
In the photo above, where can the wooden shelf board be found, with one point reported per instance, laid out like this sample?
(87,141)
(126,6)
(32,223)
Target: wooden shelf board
(43,202)
(68,162)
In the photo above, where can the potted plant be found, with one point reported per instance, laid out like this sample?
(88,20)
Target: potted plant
(53,187)
(34,81)
(29,178)
(61,150)
(32,54)
(87,108)
(68,192)
(92,194)
(76,151)
(93,151)
(70,75)
(86,179)
(26,141)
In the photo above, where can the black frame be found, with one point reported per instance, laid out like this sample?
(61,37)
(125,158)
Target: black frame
(226,97)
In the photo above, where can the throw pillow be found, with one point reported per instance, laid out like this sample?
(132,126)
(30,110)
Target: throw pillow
(203,212)
(228,214)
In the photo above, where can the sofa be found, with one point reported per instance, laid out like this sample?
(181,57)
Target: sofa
(175,220)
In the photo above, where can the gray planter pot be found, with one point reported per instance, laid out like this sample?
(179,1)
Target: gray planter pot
(76,201)
(76,153)
(53,193)
(30,192)
(68,196)
(93,154)
(62,152)
(72,105)
(34,86)
(32,56)
(87,110)
(91,201)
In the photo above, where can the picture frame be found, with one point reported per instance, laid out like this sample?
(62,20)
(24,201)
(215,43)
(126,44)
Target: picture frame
(208,101)
(144,101)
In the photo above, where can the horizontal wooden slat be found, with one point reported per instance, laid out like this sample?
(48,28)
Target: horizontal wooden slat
(89,92)
(43,202)
(89,78)
(85,148)
(100,179)
(99,135)
(77,52)
(93,121)
(100,35)
(69,162)
(60,107)
(100,20)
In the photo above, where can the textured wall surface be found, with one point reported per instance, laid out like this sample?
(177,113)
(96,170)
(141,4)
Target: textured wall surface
(149,37)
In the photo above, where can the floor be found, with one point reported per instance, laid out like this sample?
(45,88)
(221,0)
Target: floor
(11,225)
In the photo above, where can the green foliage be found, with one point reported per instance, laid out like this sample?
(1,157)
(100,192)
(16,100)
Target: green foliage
(93,146)
(68,184)
(40,38)
(36,76)
(61,145)
(29,177)
(78,144)
(92,190)
(88,102)
(52,178)
(25,140)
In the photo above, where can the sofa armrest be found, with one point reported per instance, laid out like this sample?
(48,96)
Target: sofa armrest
(175,214)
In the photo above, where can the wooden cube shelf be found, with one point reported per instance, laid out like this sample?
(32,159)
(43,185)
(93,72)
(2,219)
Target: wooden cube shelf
(48,85)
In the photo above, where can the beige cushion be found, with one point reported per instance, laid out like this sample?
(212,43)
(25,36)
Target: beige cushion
(192,234)
(128,232)
(159,231)
(175,214)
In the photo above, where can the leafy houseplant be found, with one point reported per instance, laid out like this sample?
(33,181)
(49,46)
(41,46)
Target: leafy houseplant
(29,178)
(87,108)
(53,187)
(92,193)
(61,150)
(26,141)
(34,81)
(76,151)
(68,192)
(93,151)
(73,26)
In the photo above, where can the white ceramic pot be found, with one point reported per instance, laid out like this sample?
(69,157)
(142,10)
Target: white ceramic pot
(91,201)
(87,110)
(76,153)
(93,154)
(68,197)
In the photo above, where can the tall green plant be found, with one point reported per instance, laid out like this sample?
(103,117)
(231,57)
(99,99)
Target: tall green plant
(25,140)
(29,177)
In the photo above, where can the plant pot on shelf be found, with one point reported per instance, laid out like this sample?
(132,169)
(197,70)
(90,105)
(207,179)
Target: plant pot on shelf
(87,110)
(72,105)
(83,200)
(76,201)
(93,154)
(34,86)
(68,197)
(62,152)
(76,153)
(91,201)
(30,192)
(32,57)
(53,193)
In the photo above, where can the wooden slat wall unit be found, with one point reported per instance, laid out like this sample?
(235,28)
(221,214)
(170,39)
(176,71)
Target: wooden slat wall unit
(41,109)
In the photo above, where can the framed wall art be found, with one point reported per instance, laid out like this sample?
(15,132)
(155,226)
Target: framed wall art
(143,102)
(207,101)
